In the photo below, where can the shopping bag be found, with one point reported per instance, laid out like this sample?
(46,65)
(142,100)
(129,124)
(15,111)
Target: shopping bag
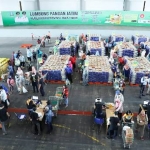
(67,82)
(24,90)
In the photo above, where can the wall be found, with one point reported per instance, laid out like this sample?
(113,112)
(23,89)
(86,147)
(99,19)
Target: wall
(29,4)
(102,4)
(59,4)
(134,5)
(1,22)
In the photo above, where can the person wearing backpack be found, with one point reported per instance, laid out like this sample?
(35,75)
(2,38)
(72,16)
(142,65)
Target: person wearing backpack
(10,83)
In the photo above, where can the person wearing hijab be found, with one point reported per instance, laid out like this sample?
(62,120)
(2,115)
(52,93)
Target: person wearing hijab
(142,121)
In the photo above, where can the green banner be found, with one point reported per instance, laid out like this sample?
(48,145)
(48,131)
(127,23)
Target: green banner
(121,18)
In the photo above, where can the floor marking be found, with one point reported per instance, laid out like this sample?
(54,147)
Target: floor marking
(91,137)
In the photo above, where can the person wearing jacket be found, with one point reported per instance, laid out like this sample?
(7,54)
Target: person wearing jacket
(119,100)
(68,71)
(48,119)
(65,94)
(73,61)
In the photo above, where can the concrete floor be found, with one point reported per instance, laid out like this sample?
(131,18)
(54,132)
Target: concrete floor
(70,131)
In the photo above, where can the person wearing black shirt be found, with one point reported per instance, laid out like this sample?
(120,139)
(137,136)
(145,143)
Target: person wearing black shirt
(4,117)
(35,122)
(41,85)
(72,49)
(34,80)
(113,128)
(98,108)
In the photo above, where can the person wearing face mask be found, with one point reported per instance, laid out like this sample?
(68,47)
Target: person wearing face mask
(144,81)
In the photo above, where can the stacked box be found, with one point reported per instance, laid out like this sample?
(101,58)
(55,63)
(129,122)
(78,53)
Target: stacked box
(94,46)
(55,67)
(129,135)
(139,66)
(117,38)
(137,39)
(94,37)
(64,47)
(126,49)
(3,65)
(99,69)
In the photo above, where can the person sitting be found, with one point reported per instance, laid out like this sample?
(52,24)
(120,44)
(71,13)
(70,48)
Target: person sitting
(113,127)
(128,116)
(98,108)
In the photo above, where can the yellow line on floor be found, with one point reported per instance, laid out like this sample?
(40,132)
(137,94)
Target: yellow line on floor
(91,137)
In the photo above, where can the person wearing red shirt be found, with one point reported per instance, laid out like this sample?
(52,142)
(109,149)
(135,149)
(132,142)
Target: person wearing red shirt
(65,94)
(73,61)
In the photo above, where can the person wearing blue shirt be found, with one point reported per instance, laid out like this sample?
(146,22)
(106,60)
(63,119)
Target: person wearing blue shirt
(48,119)
(68,71)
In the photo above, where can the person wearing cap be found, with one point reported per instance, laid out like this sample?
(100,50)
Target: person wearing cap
(4,118)
(10,83)
(144,81)
(17,18)
(119,100)
(24,18)
(99,106)
(48,119)
(113,126)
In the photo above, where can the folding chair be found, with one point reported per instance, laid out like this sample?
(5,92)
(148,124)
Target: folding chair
(21,117)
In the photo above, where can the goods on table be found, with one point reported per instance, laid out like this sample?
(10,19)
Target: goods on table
(94,37)
(94,46)
(55,67)
(64,47)
(129,135)
(137,39)
(125,49)
(117,38)
(99,69)
(138,67)
(72,37)
(3,65)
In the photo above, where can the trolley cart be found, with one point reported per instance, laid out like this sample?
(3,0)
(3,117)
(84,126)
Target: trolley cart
(127,141)
(55,100)
(59,91)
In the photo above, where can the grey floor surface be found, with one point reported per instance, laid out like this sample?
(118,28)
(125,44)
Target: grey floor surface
(70,131)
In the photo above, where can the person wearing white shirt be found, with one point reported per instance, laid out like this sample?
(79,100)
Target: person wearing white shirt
(29,54)
(24,18)
(148,83)
(3,97)
(22,60)
(143,84)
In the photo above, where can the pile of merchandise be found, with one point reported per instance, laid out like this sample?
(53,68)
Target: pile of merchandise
(94,37)
(99,69)
(137,39)
(117,38)
(55,67)
(94,46)
(64,47)
(125,49)
(138,67)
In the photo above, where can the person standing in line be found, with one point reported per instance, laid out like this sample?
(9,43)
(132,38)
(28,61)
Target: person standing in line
(41,85)
(34,81)
(29,54)
(22,60)
(142,121)
(85,76)
(143,84)
(65,95)
(4,118)
(10,83)
(35,122)
(48,119)
(68,71)
(34,56)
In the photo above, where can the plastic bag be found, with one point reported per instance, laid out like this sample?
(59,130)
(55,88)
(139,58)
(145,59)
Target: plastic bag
(67,82)
(24,90)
